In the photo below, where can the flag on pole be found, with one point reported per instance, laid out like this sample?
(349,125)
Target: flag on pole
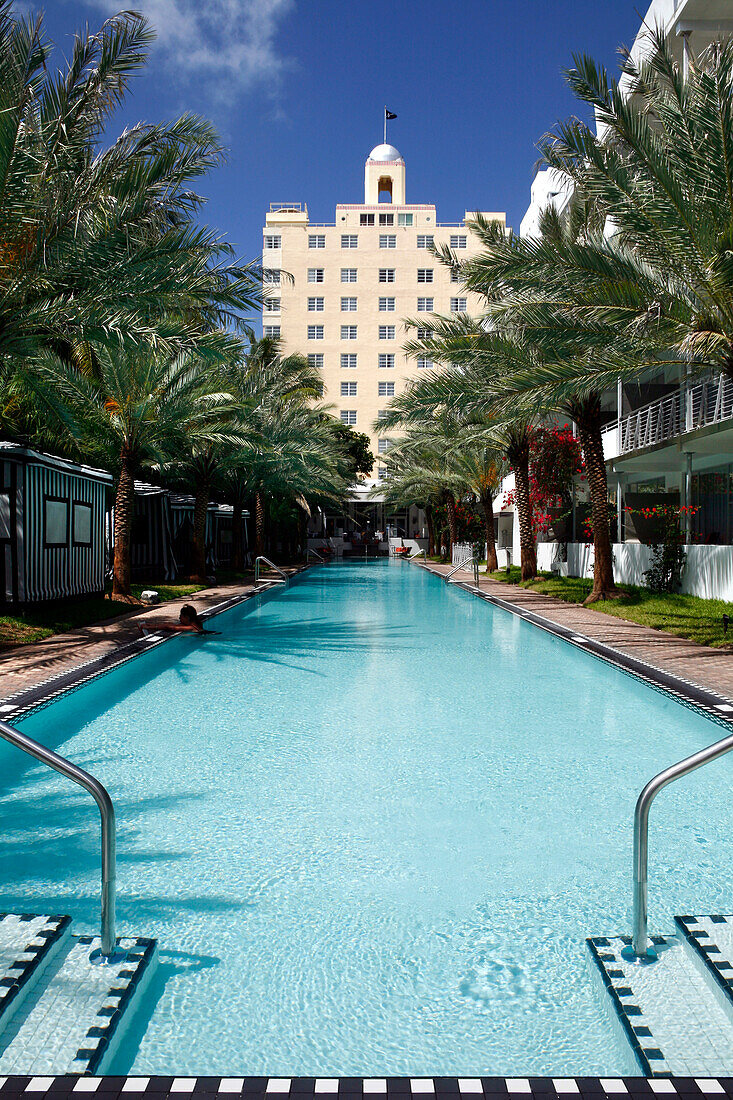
(389,114)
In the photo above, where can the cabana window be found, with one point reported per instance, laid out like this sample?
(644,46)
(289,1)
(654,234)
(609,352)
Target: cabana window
(56,521)
(82,523)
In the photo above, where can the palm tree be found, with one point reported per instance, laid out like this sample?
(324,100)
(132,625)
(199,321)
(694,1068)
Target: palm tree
(136,411)
(471,387)
(97,244)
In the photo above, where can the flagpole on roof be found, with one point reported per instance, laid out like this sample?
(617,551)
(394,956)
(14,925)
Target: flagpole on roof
(385,124)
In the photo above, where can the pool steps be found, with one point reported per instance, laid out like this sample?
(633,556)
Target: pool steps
(63,1013)
(676,1012)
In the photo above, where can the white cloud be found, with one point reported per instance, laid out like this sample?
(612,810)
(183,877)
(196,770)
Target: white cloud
(229,46)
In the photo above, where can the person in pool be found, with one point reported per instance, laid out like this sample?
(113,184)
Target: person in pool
(189,622)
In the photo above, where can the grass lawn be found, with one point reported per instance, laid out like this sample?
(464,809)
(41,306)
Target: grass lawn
(57,616)
(682,615)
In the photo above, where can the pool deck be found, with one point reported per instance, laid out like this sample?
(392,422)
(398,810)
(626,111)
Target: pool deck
(711,669)
(23,667)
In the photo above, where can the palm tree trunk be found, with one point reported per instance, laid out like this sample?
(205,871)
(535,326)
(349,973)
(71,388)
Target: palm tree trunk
(237,541)
(259,524)
(124,511)
(200,509)
(487,504)
(589,432)
(450,501)
(429,519)
(527,545)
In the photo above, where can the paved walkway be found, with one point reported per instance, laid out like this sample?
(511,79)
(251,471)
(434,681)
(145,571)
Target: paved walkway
(23,666)
(709,668)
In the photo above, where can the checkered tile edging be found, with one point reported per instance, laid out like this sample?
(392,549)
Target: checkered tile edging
(356,1088)
(701,941)
(605,952)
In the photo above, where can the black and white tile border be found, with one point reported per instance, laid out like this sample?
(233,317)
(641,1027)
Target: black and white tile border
(605,952)
(45,692)
(719,708)
(356,1088)
(43,942)
(707,951)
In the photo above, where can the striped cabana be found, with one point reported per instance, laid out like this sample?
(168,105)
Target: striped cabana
(223,534)
(52,526)
(152,535)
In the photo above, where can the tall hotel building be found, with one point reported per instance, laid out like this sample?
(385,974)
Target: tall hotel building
(354,281)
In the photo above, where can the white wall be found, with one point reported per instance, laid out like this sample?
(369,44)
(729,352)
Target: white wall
(708,570)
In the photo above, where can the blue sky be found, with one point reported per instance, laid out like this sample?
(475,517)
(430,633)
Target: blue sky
(297,89)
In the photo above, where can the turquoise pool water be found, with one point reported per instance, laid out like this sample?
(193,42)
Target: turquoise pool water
(370,825)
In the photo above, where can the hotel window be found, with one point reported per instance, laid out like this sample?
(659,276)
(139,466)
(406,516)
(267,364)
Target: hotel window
(348,332)
(348,274)
(386,305)
(381,473)
(425,305)
(273,240)
(386,389)
(386,360)
(458,240)
(423,333)
(424,364)
(382,414)
(348,416)
(458,305)
(315,274)
(315,332)
(387,240)
(386,219)
(271,330)
(404,219)
(455,275)
(315,360)
(383,445)
(366,219)
(425,240)
(348,389)
(386,274)
(271,305)
(386,332)
(348,305)
(318,387)
(271,276)
(315,305)
(349,240)
(348,360)
(317,240)
(425,274)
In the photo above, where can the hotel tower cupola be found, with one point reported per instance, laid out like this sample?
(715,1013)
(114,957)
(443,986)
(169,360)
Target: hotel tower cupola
(384,176)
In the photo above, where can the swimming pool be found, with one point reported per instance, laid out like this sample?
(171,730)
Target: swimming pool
(370,825)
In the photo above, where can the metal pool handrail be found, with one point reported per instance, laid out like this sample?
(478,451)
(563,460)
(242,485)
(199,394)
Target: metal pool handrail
(315,554)
(417,555)
(107,813)
(462,565)
(640,941)
(272,566)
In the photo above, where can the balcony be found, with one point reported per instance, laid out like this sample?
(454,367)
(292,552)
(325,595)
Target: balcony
(700,405)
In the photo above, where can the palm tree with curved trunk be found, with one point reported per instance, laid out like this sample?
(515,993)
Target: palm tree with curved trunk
(138,411)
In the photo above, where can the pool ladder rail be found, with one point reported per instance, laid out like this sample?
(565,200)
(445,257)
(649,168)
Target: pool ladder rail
(314,554)
(462,565)
(283,578)
(107,813)
(640,933)
(420,554)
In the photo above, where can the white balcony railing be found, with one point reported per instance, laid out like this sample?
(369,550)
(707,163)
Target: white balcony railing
(707,402)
